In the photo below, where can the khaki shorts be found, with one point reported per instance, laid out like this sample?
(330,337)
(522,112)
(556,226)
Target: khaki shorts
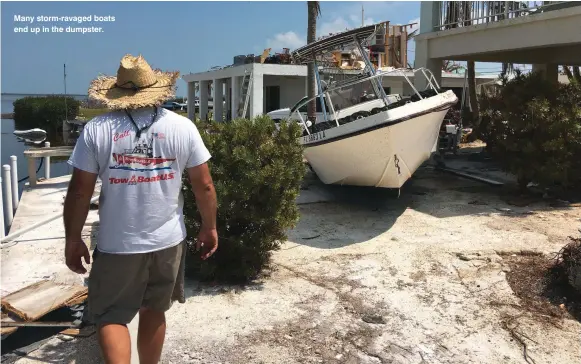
(121,284)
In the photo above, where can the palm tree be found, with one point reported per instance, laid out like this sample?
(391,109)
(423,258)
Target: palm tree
(472,90)
(314,11)
(458,14)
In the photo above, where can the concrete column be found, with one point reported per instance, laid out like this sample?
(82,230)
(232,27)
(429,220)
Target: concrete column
(257,95)
(235,81)
(203,100)
(423,60)
(191,100)
(550,71)
(228,83)
(429,16)
(218,96)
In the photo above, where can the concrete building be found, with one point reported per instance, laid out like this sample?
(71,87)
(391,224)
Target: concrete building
(276,86)
(545,34)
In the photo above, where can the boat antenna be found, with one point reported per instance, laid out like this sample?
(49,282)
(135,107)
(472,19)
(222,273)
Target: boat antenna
(362,16)
(65,82)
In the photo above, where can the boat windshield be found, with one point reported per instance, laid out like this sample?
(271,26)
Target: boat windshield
(301,106)
(352,95)
(298,104)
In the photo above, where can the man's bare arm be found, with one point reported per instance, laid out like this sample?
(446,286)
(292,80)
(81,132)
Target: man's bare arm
(203,188)
(77,203)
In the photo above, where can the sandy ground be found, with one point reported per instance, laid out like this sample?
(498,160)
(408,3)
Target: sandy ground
(371,278)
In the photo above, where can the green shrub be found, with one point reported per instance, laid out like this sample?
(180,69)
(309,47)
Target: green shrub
(257,173)
(46,112)
(533,127)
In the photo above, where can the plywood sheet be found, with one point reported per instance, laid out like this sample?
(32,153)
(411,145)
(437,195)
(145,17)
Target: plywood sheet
(38,299)
(83,332)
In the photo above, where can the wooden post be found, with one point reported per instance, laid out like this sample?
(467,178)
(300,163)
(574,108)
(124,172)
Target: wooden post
(31,171)
(404,47)
(2,231)
(386,45)
(396,46)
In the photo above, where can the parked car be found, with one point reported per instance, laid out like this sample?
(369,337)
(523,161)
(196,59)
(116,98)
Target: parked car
(172,105)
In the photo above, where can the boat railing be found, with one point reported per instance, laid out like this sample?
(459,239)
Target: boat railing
(429,76)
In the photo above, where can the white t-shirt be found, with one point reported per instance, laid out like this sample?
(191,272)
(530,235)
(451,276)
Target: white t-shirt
(141,204)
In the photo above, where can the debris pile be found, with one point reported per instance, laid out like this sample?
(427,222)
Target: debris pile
(40,311)
(570,259)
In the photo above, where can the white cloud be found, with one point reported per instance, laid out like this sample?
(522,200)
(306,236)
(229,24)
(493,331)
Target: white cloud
(337,25)
(341,18)
(340,24)
(289,39)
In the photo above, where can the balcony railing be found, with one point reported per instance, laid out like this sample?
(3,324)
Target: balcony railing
(454,14)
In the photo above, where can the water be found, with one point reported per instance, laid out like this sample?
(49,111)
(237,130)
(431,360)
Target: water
(12,146)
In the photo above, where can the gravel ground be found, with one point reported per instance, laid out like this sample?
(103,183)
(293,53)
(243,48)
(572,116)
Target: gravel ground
(371,278)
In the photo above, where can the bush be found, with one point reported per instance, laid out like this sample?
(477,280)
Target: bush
(533,127)
(257,173)
(47,113)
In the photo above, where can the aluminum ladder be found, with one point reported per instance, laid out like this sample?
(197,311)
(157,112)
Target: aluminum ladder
(245,97)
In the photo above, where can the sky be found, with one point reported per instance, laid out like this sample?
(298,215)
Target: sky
(183,36)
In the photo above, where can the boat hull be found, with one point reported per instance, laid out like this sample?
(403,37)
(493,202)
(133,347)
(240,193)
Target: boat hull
(382,150)
(31,135)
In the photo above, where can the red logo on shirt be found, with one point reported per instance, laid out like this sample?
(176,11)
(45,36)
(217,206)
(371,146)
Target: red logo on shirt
(121,135)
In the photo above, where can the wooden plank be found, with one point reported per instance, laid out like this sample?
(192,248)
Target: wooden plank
(77,300)
(404,47)
(69,324)
(5,330)
(386,58)
(80,332)
(31,171)
(48,152)
(38,299)
(264,55)
(470,176)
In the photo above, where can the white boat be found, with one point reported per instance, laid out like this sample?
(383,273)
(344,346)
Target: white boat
(34,136)
(378,143)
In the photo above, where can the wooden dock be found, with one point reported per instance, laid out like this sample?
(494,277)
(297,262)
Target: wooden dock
(39,254)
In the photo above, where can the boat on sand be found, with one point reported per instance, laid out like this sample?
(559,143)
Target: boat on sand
(374,140)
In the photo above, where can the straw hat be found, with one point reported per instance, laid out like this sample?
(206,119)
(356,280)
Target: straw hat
(136,85)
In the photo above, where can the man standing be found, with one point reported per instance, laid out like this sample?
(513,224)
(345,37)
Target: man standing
(139,151)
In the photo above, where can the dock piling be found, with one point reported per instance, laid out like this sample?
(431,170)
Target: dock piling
(47,162)
(8,211)
(1,211)
(14,176)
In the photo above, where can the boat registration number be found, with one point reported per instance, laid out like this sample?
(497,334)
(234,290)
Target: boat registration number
(314,137)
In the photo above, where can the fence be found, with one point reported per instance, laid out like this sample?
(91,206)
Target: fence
(9,197)
(454,14)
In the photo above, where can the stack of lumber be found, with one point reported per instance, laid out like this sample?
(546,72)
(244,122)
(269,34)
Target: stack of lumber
(26,307)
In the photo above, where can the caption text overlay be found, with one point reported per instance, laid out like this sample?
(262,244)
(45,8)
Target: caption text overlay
(61,24)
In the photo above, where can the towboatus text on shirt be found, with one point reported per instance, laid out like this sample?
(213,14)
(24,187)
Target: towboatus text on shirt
(141,179)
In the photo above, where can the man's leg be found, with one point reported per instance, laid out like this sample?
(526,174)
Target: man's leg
(117,284)
(157,299)
(115,343)
(151,335)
